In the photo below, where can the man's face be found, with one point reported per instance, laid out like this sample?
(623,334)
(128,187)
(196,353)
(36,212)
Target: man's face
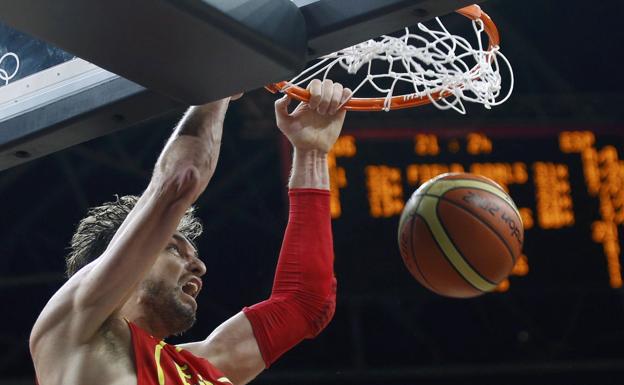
(169,291)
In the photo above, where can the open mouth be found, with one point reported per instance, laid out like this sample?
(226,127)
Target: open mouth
(192,287)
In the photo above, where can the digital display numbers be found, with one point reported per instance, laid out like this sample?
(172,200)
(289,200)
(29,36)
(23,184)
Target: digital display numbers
(568,186)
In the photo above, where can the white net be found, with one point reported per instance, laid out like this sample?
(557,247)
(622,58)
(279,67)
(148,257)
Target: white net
(427,63)
(9,65)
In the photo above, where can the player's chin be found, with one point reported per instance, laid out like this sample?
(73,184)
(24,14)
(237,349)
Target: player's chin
(189,299)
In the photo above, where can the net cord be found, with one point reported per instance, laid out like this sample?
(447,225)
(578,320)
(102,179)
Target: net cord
(433,63)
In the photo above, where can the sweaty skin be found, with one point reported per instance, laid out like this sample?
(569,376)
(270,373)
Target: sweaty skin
(82,337)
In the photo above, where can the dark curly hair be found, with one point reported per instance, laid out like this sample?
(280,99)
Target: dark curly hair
(95,231)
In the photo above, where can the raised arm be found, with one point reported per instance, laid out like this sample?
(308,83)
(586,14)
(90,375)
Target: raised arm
(92,295)
(302,301)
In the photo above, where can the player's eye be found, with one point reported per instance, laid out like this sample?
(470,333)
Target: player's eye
(173,248)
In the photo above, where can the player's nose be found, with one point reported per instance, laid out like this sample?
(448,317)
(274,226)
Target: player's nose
(197,266)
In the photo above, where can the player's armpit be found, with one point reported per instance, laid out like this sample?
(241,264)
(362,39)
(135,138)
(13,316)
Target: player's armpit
(231,348)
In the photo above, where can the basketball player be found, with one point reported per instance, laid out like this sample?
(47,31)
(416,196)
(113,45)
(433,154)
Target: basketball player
(135,273)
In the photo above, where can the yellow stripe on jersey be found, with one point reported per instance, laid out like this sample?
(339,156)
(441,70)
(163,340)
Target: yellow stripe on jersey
(159,369)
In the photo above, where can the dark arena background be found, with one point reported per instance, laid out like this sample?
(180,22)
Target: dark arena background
(557,146)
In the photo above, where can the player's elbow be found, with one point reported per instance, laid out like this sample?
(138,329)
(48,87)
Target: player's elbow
(320,313)
(183,185)
(324,317)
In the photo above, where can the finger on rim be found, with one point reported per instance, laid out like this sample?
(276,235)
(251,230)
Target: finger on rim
(326,96)
(346,96)
(335,99)
(315,88)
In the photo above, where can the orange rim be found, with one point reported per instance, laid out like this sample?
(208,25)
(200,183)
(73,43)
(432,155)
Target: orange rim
(472,12)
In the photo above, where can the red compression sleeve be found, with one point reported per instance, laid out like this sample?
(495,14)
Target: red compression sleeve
(303,299)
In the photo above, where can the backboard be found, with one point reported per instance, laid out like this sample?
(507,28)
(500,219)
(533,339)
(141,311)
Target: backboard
(154,56)
(51,100)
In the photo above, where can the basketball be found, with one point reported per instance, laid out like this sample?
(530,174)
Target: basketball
(460,234)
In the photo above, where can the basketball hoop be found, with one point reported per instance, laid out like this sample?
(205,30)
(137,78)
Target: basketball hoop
(4,75)
(432,66)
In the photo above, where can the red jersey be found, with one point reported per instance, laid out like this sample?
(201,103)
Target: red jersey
(158,363)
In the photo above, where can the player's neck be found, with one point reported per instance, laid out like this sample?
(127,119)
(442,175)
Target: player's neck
(150,327)
(134,312)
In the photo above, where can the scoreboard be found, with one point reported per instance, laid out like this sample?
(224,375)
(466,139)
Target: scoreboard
(567,184)
(562,302)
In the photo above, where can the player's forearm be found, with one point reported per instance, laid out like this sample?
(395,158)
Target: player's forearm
(195,143)
(309,170)
(306,260)
(201,121)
